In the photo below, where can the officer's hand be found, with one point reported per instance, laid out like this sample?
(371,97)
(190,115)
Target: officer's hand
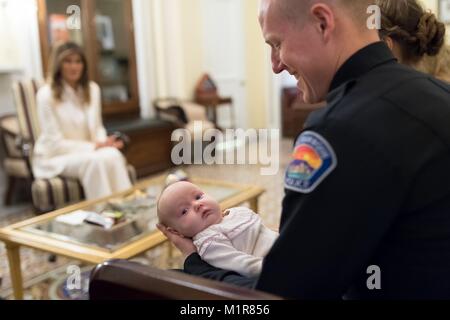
(185,245)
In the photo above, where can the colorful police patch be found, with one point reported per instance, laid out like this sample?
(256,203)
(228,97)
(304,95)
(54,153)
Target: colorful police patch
(313,160)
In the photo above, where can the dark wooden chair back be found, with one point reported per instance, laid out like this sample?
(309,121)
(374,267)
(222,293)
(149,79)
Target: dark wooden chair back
(125,280)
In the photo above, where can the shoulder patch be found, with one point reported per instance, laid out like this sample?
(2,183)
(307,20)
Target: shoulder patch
(313,160)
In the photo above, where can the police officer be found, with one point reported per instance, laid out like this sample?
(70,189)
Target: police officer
(367,207)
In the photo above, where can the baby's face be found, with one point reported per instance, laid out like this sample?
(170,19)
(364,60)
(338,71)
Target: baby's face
(187,209)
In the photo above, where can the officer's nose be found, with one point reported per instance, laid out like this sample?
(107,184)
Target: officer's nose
(277,65)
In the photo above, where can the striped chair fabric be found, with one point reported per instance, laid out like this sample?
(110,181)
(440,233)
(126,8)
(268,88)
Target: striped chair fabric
(52,194)
(47,194)
(25,100)
(14,164)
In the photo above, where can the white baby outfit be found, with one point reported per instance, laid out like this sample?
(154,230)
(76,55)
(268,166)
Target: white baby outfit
(239,243)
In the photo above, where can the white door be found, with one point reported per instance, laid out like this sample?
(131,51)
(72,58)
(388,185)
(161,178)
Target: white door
(223,42)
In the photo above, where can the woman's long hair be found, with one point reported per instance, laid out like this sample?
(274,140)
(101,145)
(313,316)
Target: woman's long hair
(55,70)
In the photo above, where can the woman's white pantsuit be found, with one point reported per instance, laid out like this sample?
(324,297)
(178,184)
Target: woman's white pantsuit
(66,144)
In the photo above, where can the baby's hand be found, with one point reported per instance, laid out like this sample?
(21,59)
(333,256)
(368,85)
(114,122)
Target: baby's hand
(185,245)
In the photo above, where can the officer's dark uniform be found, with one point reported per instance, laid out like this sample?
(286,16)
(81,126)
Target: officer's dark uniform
(387,201)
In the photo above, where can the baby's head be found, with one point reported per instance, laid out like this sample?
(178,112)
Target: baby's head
(185,209)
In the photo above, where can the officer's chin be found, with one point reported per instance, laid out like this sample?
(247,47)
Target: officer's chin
(307,98)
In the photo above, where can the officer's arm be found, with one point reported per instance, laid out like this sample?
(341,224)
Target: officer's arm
(194,265)
(328,236)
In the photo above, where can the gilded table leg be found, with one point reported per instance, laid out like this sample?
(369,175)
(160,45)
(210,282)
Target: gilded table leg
(170,253)
(13,252)
(254,204)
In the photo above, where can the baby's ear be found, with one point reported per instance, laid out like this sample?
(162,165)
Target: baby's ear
(174,232)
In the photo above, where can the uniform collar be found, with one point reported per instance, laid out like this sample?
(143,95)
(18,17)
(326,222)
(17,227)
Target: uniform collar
(362,62)
(356,66)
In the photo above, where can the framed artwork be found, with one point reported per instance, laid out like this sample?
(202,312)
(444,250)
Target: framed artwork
(444,11)
(105,33)
(58,29)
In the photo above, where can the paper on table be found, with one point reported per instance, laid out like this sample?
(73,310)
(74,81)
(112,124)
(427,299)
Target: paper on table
(74,218)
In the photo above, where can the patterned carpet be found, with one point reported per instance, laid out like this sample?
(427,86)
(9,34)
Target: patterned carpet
(44,279)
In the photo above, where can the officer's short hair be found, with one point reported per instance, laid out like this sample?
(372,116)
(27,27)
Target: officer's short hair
(294,9)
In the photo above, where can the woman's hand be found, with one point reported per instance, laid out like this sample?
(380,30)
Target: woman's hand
(111,141)
(118,144)
(185,245)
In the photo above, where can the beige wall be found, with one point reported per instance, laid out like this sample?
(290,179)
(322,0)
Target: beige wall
(256,64)
(433,6)
(191,28)
(255,73)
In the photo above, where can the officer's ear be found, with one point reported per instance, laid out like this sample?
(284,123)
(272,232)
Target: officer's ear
(395,48)
(389,42)
(324,19)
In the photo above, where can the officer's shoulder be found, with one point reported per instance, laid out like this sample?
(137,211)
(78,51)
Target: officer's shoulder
(359,101)
(392,85)
(387,86)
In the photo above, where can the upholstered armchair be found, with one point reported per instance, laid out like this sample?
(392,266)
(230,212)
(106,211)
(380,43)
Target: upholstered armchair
(125,280)
(187,115)
(47,194)
(182,113)
(14,164)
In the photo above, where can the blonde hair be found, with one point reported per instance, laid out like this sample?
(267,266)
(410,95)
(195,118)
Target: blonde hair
(438,65)
(55,77)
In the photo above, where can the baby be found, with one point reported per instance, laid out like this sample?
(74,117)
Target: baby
(233,240)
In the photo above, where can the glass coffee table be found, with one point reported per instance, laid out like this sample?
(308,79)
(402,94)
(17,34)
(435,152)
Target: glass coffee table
(64,232)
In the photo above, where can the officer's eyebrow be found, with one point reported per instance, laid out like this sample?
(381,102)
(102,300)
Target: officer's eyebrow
(271,39)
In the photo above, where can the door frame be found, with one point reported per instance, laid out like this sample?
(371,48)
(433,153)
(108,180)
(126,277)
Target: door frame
(240,112)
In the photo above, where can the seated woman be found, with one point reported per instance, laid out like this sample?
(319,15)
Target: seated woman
(415,36)
(73,142)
